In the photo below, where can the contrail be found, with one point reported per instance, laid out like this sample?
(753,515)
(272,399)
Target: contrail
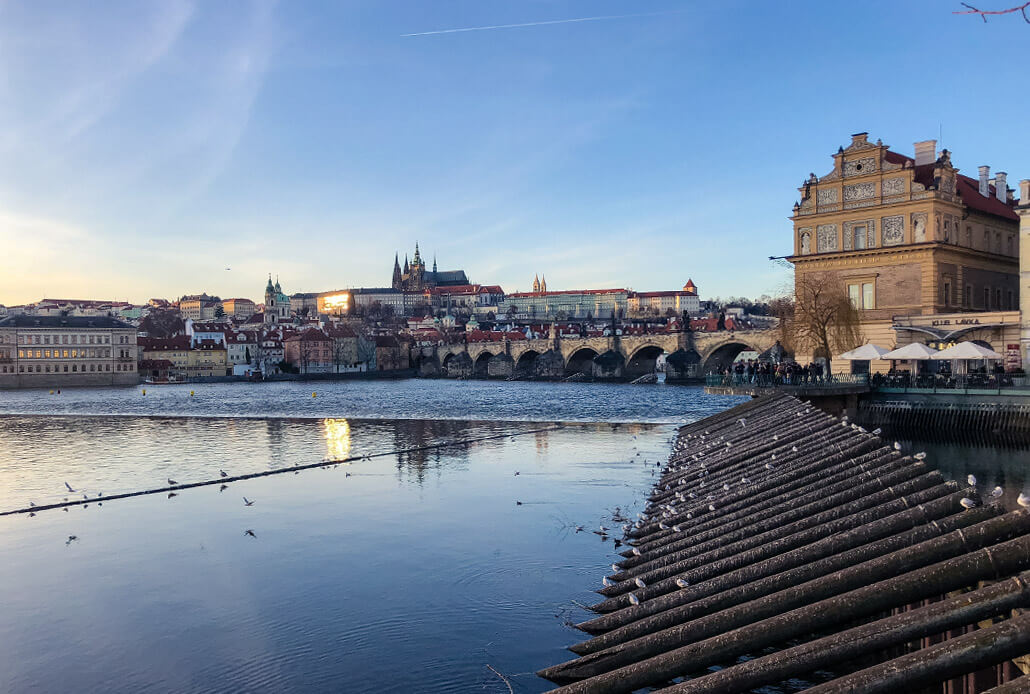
(537,24)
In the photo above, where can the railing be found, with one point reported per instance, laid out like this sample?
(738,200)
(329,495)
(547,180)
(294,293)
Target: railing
(945,383)
(788,380)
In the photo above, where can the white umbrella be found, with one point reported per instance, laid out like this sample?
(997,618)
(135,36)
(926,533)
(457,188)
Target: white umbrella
(967,350)
(916,350)
(866,352)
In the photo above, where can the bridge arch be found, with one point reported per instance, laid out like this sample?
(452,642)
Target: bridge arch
(481,366)
(722,356)
(644,360)
(581,361)
(525,363)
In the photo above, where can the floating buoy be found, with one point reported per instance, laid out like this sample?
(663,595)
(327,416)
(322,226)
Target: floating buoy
(191,393)
(313,395)
(51,392)
(144,391)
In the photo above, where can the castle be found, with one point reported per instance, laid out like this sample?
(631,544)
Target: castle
(415,278)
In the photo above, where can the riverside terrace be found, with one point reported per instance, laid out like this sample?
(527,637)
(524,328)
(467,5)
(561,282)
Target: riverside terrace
(784,547)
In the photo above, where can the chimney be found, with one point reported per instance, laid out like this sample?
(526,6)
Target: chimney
(985,186)
(1024,192)
(926,152)
(1001,188)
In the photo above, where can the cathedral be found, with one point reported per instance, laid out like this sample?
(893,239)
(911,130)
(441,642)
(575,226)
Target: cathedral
(539,285)
(414,277)
(277,304)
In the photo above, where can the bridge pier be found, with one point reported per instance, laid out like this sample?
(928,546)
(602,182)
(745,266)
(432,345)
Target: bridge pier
(500,366)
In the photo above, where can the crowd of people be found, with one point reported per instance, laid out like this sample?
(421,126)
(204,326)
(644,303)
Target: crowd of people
(764,373)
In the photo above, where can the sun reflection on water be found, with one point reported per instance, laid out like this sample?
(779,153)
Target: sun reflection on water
(337,438)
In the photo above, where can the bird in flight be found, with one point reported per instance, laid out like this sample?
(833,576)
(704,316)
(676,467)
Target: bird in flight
(69,487)
(247,502)
(249,532)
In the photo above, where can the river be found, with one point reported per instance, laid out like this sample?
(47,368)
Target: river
(408,571)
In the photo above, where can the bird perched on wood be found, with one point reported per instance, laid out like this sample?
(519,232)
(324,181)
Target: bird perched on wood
(967,502)
(639,582)
(971,480)
(877,431)
(897,446)
(677,529)
(745,480)
(636,551)
(633,599)
(769,466)
(1023,500)
(615,568)
(711,507)
(607,582)
(682,583)
(921,455)
(725,487)
(997,492)
(662,526)
(247,502)
(794,449)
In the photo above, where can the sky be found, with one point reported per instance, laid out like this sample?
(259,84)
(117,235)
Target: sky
(154,149)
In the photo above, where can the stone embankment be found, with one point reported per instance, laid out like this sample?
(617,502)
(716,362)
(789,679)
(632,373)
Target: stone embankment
(784,547)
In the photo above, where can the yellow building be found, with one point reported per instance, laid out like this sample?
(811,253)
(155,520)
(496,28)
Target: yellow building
(1024,265)
(909,236)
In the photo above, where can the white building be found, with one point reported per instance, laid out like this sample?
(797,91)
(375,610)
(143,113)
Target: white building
(577,303)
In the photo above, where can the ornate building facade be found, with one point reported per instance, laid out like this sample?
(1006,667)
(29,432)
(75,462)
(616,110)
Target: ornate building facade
(918,245)
(909,235)
(414,277)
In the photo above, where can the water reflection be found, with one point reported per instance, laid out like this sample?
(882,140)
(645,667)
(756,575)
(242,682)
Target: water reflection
(337,438)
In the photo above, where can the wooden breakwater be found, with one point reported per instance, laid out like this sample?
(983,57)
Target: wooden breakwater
(785,547)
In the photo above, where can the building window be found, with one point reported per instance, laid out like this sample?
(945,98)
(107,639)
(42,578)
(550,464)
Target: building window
(997,299)
(859,237)
(861,295)
(947,293)
(969,296)
(1012,303)
(987,298)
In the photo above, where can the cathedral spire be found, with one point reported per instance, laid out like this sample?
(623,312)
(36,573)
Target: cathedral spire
(396,272)
(417,260)
(543,283)
(406,268)
(434,263)
(536,283)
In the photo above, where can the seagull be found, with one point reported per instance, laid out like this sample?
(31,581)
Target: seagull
(603,529)
(223,473)
(921,455)
(996,492)
(516,473)
(677,529)
(967,502)
(615,568)
(769,466)
(971,480)
(249,532)
(682,583)
(877,431)
(711,507)
(172,482)
(32,504)
(745,480)
(776,437)
(640,582)
(794,448)
(1023,500)
(725,487)
(607,582)
(662,526)
(247,502)
(897,446)
(634,600)
(71,539)
(636,551)
(69,487)
(223,487)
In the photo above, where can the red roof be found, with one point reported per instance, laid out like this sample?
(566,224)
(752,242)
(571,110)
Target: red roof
(967,188)
(163,344)
(568,291)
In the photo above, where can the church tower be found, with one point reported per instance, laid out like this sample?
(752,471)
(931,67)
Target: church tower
(397,277)
(270,296)
(536,283)
(543,283)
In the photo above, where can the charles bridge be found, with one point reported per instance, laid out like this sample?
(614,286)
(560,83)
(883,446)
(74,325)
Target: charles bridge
(689,355)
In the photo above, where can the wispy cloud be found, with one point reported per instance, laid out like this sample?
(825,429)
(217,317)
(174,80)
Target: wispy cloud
(523,25)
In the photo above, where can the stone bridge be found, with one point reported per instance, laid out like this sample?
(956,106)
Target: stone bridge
(689,355)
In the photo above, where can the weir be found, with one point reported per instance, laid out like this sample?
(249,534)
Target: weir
(785,546)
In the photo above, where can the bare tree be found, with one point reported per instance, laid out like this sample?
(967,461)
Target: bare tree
(824,320)
(1022,9)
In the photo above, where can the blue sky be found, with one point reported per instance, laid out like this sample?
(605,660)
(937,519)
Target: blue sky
(146,146)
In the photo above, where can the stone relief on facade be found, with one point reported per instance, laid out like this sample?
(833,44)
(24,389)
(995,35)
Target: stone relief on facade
(918,227)
(806,240)
(859,167)
(826,238)
(859,191)
(893,186)
(947,184)
(827,196)
(892,230)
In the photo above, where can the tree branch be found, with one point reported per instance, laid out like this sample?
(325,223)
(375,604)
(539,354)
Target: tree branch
(1022,9)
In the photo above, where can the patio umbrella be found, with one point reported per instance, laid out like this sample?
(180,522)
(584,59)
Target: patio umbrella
(866,352)
(967,350)
(916,351)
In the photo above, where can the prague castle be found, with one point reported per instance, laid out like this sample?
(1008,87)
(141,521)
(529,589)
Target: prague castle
(415,278)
